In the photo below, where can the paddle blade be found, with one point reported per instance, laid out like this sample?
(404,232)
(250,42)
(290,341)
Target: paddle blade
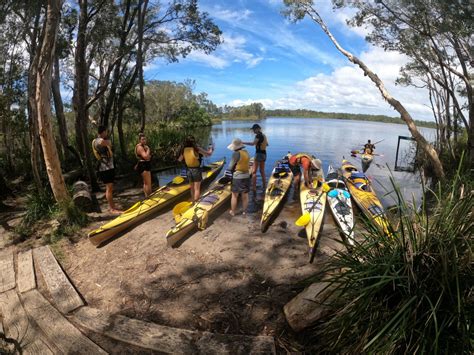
(303,220)
(353,152)
(178,180)
(179,210)
(332,193)
(326,187)
(346,194)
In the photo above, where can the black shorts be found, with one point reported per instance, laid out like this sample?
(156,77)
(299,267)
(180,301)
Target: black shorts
(194,174)
(260,156)
(107,176)
(240,185)
(295,169)
(143,166)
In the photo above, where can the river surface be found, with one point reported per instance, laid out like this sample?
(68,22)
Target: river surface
(329,140)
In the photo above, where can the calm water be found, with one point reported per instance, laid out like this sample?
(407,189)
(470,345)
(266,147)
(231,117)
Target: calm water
(329,140)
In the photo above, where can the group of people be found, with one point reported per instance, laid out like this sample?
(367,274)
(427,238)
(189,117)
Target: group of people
(244,176)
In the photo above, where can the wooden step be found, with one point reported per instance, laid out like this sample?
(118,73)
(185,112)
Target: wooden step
(26,274)
(17,326)
(64,295)
(7,271)
(66,337)
(167,339)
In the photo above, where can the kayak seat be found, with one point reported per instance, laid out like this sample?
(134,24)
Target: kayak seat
(276,192)
(357,175)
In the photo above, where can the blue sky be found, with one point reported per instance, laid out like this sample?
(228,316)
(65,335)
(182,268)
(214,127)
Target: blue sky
(265,58)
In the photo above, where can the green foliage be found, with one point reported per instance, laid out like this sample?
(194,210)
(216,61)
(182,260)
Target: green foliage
(254,110)
(411,293)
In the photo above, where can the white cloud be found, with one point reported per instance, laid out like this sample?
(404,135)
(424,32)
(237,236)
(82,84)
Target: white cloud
(228,15)
(346,89)
(232,50)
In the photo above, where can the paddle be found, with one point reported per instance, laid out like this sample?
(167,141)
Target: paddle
(304,219)
(179,209)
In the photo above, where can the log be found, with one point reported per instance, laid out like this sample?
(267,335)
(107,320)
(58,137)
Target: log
(26,274)
(64,295)
(67,338)
(82,197)
(7,271)
(73,175)
(307,307)
(18,327)
(165,339)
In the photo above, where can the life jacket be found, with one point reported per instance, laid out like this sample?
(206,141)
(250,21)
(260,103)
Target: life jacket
(243,163)
(107,154)
(136,154)
(296,159)
(368,148)
(191,158)
(262,146)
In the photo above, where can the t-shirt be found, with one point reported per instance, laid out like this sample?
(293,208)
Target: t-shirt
(106,162)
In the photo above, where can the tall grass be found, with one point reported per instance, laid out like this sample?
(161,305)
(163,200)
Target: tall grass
(411,293)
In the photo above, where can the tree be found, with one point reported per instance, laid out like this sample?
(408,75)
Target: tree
(437,37)
(298,9)
(45,58)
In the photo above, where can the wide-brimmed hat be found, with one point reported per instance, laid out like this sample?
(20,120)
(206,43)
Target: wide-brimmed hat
(236,144)
(256,126)
(316,163)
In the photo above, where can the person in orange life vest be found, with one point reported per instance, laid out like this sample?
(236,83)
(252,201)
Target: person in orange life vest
(143,167)
(102,149)
(260,142)
(239,165)
(309,164)
(369,147)
(191,154)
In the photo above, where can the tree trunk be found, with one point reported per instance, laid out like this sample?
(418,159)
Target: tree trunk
(141,81)
(397,105)
(80,96)
(123,149)
(43,101)
(58,105)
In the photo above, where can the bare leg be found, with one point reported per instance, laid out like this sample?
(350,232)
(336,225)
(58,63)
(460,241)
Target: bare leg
(245,202)
(197,190)
(192,191)
(254,176)
(233,203)
(262,173)
(109,190)
(146,183)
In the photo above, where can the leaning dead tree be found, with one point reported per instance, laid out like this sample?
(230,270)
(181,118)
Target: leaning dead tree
(297,11)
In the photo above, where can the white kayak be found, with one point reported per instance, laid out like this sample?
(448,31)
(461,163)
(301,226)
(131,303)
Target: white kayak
(339,202)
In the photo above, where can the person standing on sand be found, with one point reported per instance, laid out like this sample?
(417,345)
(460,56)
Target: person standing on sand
(239,165)
(102,148)
(191,154)
(261,143)
(143,167)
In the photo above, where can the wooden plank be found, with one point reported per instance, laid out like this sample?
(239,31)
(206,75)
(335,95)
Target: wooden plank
(7,271)
(18,327)
(64,295)
(67,338)
(26,274)
(167,339)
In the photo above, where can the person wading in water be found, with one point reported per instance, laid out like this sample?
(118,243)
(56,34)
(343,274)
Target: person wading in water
(191,154)
(143,167)
(102,148)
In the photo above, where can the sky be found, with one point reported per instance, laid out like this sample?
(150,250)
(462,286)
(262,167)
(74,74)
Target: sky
(266,58)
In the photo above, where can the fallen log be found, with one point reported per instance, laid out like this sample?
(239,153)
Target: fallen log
(82,197)
(308,306)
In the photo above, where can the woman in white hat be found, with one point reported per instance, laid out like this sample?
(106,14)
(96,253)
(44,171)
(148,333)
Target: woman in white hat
(239,165)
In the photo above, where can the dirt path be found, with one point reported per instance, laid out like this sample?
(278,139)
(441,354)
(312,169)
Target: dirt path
(230,278)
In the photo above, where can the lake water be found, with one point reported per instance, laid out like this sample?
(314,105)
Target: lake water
(329,140)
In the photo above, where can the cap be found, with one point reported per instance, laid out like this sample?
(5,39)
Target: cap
(256,126)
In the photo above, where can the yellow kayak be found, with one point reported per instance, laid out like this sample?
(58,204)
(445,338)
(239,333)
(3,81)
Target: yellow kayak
(197,216)
(163,197)
(313,201)
(278,186)
(364,195)
(366,160)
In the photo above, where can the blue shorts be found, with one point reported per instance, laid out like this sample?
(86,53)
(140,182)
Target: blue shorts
(260,156)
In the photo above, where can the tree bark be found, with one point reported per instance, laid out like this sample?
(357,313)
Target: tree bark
(43,102)
(81,90)
(141,81)
(397,105)
(58,105)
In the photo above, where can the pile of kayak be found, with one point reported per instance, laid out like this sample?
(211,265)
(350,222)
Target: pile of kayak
(335,191)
